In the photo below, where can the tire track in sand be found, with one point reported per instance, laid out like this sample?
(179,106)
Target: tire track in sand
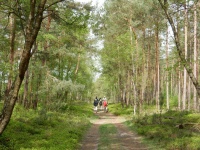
(128,140)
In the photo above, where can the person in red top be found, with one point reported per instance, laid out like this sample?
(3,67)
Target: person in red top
(105,104)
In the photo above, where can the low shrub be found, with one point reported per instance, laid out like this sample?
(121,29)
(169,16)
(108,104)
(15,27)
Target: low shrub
(44,130)
(117,109)
(170,130)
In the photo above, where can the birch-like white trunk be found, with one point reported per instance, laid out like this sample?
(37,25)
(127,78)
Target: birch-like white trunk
(195,56)
(157,70)
(167,79)
(185,71)
(179,89)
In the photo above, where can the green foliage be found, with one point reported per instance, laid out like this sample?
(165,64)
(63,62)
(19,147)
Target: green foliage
(174,101)
(117,109)
(44,130)
(61,41)
(166,131)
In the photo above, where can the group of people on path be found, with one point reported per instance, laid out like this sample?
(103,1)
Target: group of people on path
(102,103)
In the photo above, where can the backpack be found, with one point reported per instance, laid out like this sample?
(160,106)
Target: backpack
(95,102)
(100,103)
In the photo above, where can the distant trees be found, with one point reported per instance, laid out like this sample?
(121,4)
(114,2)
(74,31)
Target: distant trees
(141,62)
(47,45)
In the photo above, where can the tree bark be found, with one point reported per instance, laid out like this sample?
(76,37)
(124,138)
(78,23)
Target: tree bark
(179,88)
(25,96)
(167,74)
(12,26)
(157,69)
(185,72)
(195,56)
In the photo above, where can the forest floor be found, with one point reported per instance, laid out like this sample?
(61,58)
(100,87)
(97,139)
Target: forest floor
(122,139)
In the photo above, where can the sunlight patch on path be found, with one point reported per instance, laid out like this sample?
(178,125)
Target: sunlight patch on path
(107,118)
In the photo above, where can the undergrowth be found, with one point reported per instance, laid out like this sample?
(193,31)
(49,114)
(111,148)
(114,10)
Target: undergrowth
(171,130)
(44,130)
(117,109)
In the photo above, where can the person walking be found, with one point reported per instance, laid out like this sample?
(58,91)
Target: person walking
(105,104)
(95,104)
(100,104)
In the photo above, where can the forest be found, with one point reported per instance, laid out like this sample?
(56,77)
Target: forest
(57,55)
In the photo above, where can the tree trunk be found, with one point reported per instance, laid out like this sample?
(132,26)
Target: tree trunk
(157,70)
(195,56)
(1,85)
(167,74)
(135,99)
(189,95)
(12,26)
(31,32)
(25,96)
(185,72)
(179,88)
(128,88)
(149,74)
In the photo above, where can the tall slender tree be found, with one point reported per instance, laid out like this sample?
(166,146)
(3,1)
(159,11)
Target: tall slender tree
(186,51)
(12,28)
(167,65)
(195,55)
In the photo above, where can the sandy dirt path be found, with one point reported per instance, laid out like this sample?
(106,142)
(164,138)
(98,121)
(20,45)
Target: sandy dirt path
(127,140)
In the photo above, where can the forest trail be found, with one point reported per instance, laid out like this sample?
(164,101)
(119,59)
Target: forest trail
(124,139)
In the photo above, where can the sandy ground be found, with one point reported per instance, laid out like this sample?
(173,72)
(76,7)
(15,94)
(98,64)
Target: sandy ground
(127,139)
